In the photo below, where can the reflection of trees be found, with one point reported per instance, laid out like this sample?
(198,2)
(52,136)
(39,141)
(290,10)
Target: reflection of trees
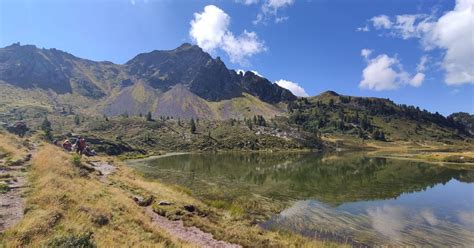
(362,178)
(332,180)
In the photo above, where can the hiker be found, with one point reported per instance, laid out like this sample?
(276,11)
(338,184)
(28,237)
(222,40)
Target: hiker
(80,145)
(67,145)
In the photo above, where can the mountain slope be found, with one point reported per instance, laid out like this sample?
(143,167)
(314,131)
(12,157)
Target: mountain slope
(183,82)
(179,101)
(50,69)
(465,120)
(373,118)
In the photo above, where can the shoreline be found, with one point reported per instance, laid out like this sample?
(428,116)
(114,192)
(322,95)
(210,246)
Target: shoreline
(408,154)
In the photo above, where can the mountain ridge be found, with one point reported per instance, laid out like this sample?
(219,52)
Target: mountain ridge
(101,84)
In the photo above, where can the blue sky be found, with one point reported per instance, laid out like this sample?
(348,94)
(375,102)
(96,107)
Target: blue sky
(314,44)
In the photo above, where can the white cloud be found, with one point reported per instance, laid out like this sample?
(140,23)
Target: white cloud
(429,216)
(276,4)
(295,88)
(419,77)
(386,73)
(210,30)
(417,80)
(405,24)
(452,33)
(133,2)
(381,21)
(380,74)
(269,10)
(388,220)
(422,65)
(363,29)
(247,2)
(281,19)
(455,91)
(209,27)
(366,53)
(239,48)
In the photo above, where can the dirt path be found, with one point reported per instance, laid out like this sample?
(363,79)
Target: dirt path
(192,235)
(12,203)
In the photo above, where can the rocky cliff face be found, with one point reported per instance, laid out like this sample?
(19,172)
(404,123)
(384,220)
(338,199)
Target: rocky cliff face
(26,66)
(465,120)
(50,69)
(204,76)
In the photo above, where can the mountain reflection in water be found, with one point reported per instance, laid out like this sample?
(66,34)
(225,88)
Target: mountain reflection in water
(352,198)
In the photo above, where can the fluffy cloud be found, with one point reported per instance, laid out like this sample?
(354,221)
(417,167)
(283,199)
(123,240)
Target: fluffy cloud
(269,10)
(386,73)
(209,27)
(295,88)
(381,21)
(452,33)
(210,30)
(417,80)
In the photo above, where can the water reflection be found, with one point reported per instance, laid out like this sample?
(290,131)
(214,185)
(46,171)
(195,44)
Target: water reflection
(333,180)
(353,198)
(389,224)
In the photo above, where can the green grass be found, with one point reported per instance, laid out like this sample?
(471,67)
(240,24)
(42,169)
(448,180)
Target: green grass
(4,188)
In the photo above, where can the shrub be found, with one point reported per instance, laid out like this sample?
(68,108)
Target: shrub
(76,160)
(4,188)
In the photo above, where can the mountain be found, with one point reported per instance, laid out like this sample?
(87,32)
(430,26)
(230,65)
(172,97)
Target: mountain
(187,82)
(376,118)
(51,69)
(183,82)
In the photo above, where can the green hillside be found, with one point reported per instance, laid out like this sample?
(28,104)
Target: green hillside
(374,118)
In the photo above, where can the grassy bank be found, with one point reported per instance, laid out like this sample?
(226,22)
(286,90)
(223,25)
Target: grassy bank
(67,203)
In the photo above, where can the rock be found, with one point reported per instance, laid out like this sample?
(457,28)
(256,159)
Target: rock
(190,208)
(100,219)
(144,202)
(165,203)
(137,199)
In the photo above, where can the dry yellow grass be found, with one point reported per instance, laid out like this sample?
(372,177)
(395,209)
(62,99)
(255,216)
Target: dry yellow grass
(12,146)
(61,202)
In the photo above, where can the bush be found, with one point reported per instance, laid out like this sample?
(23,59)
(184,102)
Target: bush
(4,188)
(76,160)
(73,240)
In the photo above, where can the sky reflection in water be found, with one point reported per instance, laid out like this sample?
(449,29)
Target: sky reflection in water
(352,198)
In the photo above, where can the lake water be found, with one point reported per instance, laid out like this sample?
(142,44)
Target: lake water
(348,198)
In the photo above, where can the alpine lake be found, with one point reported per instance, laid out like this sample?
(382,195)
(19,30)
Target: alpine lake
(349,198)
